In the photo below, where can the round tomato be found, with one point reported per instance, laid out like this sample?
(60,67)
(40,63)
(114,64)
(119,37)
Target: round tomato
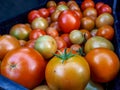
(41,87)
(96,42)
(32,15)
(67,71)
(20,31)
(7,43)
(46,45)
(106,31)
(60,43)
(25,66)
(43,12)
(68,20)
(87,3)
(34,34)
(104,64)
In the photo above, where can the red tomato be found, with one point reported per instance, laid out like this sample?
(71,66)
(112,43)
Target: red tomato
(60,43)
(52,32)
(25,66)
(7,43)
(32,15)
(66,38)
(51,10)
(43,12)
(87,3)
(104,64)
(105,8)
(98,5)
(34,34)
(68,20)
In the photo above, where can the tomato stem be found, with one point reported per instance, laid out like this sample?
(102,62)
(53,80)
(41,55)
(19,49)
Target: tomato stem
(64,56)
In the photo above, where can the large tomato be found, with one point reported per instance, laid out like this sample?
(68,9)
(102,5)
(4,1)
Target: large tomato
(24,66)
(67,72)
(68,20)
(7,43)
(104,64)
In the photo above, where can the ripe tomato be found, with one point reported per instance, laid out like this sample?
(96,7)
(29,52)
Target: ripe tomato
(51,4)
(66,38)
(25,66)
(20,31)
(98,5)
(43,12)
(87,3)
(7,43)
(67,73)
(105,8)
(51,10)
(106,31)
(68,20)
(34,34)
(104,64)
(32,15)
(30,43)
(75,47)
(52,32)
(60,43)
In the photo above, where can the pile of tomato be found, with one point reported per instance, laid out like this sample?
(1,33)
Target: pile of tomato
(64,46)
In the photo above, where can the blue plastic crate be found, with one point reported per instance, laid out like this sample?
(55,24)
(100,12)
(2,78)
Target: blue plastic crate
(13,12)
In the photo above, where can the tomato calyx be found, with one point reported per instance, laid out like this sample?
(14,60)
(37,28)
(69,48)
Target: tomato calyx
(80,51)
(64,55)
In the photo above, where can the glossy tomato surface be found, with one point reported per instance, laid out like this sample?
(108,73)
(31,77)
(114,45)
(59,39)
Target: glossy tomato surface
(24,66)
(68,20)
(104,64)
(71,74)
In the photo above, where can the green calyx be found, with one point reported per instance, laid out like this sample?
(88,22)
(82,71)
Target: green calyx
(64,55)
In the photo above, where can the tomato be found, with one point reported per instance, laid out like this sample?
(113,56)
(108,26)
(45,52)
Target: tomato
(86,33)
(106,31)
(75,47)
(105,8)
(67,72)
(62,7)
(87,23)
(22,42)
(55,25)
(7,43)
(103,19)
(90,12)
(52,32)
(55,15)
(62,3)
(93,32)
(51,10)
(46,45)
(60,43)
(34,34)
(87,3)
(20,31)
(25,66)
(68,20)
(76,37)
(66,38)
(93,86)
(96,42)
(74,6)
(32,15)
(41,87)
(51,4)
(79,13)
(98,5)
(43,12)
(104,64)
(39,23)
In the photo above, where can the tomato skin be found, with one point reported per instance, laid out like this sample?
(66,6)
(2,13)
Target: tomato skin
(68,20)
(34,34)
(43,12)
(87,3)
(24,66)
(72,74)
(7,43)
(32,15)
(104,64)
